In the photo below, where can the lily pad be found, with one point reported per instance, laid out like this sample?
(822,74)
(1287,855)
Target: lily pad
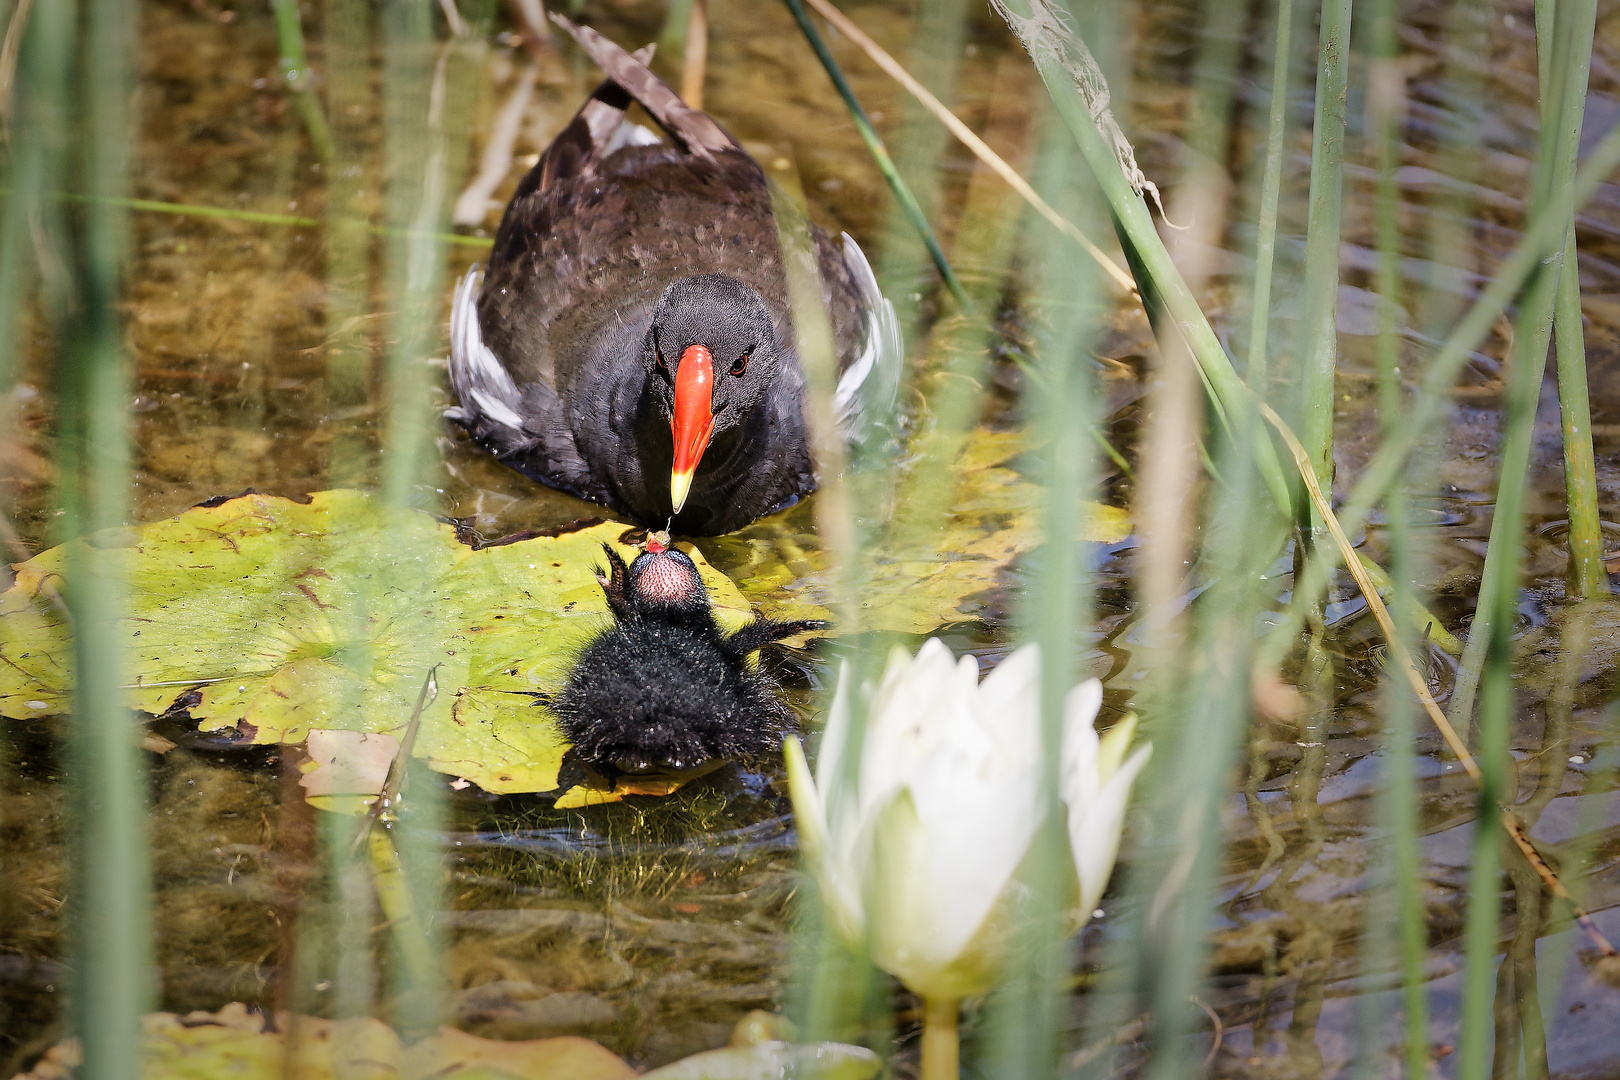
(283,618)
(236,1042)
(915,581)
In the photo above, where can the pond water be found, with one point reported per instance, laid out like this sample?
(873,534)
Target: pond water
(653,926)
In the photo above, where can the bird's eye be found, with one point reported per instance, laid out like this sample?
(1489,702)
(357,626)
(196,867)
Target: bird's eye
(659,352)
(741,365)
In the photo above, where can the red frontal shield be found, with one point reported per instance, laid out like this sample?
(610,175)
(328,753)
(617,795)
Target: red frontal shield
(693,421)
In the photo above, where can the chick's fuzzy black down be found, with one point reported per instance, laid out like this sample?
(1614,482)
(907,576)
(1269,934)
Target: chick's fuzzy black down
(664,686)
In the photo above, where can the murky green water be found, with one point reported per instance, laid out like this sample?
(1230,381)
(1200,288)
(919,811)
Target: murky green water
(654,925)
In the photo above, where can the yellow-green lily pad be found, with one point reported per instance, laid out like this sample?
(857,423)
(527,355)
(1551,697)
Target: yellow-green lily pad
(916,579)
(281,618)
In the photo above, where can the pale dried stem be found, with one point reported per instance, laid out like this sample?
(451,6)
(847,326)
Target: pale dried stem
(458,26)
(8,60)
(965,134)
(532,25)
(695,62)
(473,204)
(1166,504)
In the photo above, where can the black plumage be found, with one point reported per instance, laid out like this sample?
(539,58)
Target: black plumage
(621,262)
(665,687)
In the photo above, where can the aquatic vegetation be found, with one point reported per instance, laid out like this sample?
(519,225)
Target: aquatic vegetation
(226,261)
(270,617)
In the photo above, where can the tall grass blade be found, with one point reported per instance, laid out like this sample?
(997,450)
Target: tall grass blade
(428,110)
(1047,39)
(1399,897)
(837,990)
(1564,105)
(1060,406)
(111,929)
(1258,370)
(1588,580)
(296,73)
(1489,655)
(1318,332)
(1543,235)
(897,184)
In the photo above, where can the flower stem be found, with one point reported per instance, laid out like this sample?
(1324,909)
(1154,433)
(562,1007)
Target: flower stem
(941,1044)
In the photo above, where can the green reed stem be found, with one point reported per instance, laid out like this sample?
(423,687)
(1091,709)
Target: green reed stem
(416,948)
(429,88)
(1398,798)
(836,988)
(263,218)
(1588,580)
(897,184)
(1543,235)
(1318,333)
(1490,641)
(1173,877)
(1565,94)
(919,143)
(1163,288)
(111,928)
(672,38)
(1265,249)
(296,73)
(1453,210)
(1025,1021)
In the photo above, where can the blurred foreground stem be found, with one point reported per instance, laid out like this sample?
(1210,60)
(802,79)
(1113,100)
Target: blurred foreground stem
(885,164)
(1564,101)
(81,85)
(1164,291)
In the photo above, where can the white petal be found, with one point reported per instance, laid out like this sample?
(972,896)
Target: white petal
(841,889)
(918,931)
(1095,827)
(1009,704)
(1078,780)
(835,735)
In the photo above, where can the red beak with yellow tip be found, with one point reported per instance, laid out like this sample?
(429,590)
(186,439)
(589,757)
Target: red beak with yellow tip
(693,421)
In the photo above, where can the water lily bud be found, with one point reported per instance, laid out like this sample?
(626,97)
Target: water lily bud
(917,846)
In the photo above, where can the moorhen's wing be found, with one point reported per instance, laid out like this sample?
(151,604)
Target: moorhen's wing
(870,367)
(525,425)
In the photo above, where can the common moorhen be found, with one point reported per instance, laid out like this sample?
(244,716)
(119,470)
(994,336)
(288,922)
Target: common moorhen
(664,687)
(631,341)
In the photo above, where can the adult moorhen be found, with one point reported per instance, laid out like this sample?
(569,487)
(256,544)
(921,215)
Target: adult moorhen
(664,687)
(631,341)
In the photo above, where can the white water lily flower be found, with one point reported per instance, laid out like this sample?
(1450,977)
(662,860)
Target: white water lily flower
(916,846)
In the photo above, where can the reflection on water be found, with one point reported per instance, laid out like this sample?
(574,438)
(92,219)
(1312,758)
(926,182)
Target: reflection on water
(652,926)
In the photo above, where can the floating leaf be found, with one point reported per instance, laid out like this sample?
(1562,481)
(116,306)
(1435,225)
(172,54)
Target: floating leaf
(914,582)
(233,1042)
(284,618)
